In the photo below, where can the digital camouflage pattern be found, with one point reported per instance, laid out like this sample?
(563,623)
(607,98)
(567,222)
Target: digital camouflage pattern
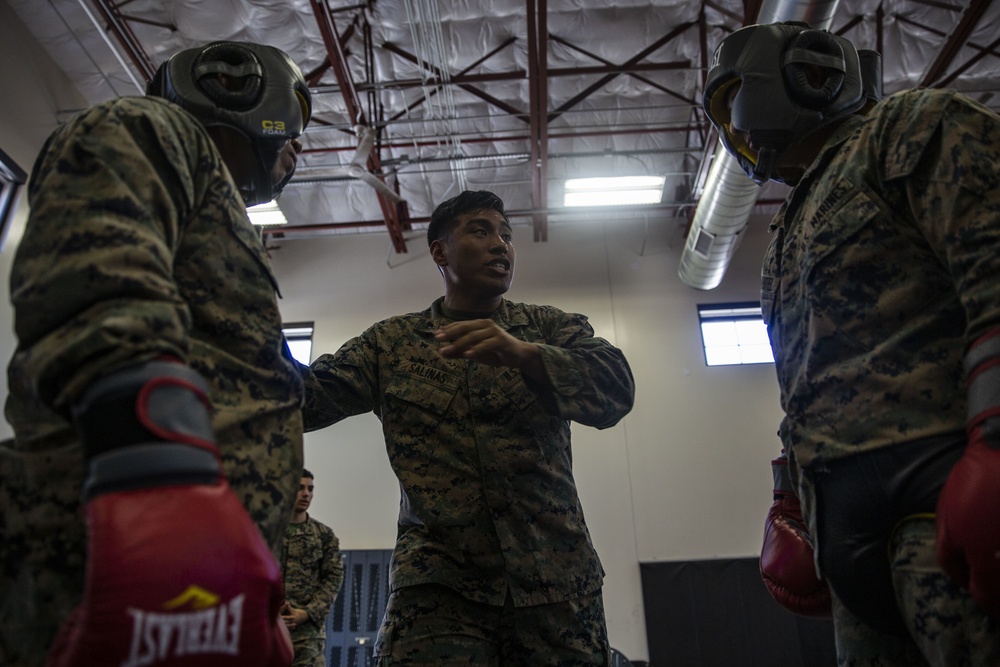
(881,271)
(931,602)
(313,571)
(571,633)
(137,245)
(308,653)
(483,458)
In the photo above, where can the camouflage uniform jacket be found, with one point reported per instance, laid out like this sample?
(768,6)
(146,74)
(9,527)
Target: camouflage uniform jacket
(884,266)
(313,571)
(138,245)
(483,458)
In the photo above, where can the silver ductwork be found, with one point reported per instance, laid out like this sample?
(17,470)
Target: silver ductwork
(719,221)
(724,207)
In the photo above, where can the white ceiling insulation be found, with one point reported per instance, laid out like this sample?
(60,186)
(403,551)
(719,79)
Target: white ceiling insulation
(513,96)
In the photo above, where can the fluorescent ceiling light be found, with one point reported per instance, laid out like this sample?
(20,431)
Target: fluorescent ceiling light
(267,214)
(613,191)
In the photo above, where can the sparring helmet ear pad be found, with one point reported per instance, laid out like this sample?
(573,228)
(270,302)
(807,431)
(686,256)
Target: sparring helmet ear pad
(809,54)
(240,67)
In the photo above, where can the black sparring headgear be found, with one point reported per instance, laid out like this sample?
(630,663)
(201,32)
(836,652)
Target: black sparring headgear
(265,100)
(780,98)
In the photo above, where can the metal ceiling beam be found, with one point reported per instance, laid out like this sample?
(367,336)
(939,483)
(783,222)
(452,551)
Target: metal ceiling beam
(959,36)
(645,131)
(498,103)
(391,213)
(516,75)
(541,215)
(538,48)
(288,231)
(946,68)
(631,71)
(958,71)
(989,50)
(464,80)
(118,26)
(604,80)
(460,76)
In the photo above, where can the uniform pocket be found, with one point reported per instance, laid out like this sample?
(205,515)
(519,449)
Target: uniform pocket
(415,403)
(382,653)
(511,385)
(833,224)
(247,236)
(430,390)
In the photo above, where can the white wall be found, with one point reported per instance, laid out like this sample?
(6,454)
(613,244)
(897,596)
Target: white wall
(686,475)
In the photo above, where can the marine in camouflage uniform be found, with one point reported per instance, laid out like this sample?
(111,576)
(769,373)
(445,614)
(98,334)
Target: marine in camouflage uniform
(882,268)
(313,571)
(137,246)
(491,533)
(882,272)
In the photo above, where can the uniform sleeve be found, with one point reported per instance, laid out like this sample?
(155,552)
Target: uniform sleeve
(342,384)
(954,195)
(591,382)
(91,283)
(330,579)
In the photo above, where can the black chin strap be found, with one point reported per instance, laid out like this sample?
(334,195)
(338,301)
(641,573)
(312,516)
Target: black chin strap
(765,165)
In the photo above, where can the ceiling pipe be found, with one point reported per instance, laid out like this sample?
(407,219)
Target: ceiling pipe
(724,207)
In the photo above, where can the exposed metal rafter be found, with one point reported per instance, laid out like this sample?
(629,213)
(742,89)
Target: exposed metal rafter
(118,25)
(538,33)
(391,212)
(510,95)
(959,36)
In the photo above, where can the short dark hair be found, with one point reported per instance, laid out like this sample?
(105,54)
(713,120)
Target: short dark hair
(447,212)
(306,473)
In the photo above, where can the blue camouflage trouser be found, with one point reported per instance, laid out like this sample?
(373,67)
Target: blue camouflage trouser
(945,627)
(434,625)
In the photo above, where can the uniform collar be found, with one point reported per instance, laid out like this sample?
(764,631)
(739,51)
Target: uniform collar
(508,315)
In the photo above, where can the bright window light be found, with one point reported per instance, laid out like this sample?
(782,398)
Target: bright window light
(616,191)
(12,177)
(267,214)
(299,336)
(734,334)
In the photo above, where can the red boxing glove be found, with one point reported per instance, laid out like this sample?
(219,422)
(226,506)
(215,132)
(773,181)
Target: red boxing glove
(786,557)
(968,510)
(177,573)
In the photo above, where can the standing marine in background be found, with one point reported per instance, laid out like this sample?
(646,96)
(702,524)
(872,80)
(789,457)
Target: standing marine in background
(313,571)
